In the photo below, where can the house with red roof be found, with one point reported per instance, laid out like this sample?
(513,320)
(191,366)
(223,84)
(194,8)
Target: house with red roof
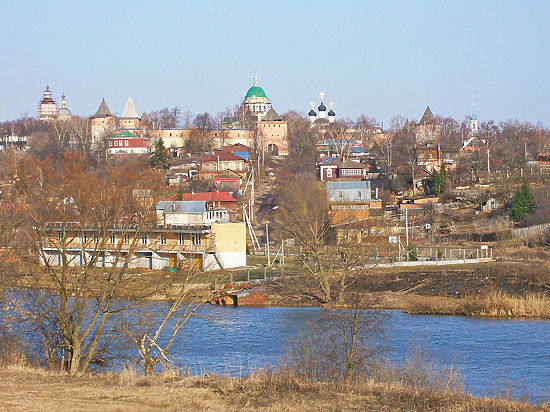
(213,199)
(228,181)
(211,165)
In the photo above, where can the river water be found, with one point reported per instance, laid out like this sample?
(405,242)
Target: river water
(491,354)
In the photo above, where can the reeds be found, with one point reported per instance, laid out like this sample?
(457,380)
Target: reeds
(495,304)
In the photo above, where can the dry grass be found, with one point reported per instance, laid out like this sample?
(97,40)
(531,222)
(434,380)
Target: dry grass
(489,304)
(26,388)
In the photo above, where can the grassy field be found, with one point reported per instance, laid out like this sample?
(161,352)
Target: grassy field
(25,388)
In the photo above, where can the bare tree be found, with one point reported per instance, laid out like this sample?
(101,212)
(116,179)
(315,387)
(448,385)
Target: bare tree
(489,133)
(338,136)
(367,128)
(330,250)
(78,213)
(302,143)
(154,333)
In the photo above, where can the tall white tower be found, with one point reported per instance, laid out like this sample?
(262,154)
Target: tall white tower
(473,124)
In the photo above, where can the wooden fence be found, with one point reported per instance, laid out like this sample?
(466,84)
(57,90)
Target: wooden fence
(536,230)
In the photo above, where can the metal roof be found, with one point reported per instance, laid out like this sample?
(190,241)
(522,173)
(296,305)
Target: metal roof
(190,206)
(355,185)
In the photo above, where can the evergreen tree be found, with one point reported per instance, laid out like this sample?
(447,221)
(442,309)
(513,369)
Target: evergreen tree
(522,204)
(159,155)
(439,180)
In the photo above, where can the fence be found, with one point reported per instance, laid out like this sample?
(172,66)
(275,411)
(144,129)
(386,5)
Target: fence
(448,253)
(536,230)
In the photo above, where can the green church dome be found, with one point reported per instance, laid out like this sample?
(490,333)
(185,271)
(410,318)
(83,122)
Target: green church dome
(255,91)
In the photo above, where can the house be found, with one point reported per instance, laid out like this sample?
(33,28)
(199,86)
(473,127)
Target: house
(125,142)
(238,149)
(333,169)
(195,212)
(428,157)
(351,201)
(228,181)
(213,199)
(488,205)
(540,164)
(215,163)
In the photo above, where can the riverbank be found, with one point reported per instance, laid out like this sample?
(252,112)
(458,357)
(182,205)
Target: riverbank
(26,388)
(499,289)
(518,288)
(492,304)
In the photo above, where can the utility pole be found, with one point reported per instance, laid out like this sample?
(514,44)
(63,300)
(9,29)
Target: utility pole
(407,225)
(252,194)
(267,244)
(283,253)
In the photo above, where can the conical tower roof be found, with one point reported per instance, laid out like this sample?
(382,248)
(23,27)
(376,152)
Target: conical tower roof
(103,110)
(130,111)
(428,117)
(271,115)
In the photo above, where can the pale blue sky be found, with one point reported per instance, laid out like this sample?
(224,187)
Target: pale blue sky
(379,58)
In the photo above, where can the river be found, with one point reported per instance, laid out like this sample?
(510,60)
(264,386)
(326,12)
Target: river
(492,354)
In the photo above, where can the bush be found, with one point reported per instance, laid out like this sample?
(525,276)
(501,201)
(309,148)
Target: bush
(344,345)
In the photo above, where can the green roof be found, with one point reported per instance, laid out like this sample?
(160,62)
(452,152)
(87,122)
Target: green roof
(123,133)
(255,91)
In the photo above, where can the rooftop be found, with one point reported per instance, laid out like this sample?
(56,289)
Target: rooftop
(205,196)
(222,156)
(193,207)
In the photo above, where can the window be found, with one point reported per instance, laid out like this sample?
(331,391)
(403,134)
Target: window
(359,194)
(110,143)
(126,143)
(126,238)
(196,239)
(144,239)
(329,172)
(95,238)
(162,239)
(84,237)
(116,142)
(181,239)
(113,238)
(340,193)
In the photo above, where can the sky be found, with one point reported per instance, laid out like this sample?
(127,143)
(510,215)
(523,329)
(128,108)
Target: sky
(379,58)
